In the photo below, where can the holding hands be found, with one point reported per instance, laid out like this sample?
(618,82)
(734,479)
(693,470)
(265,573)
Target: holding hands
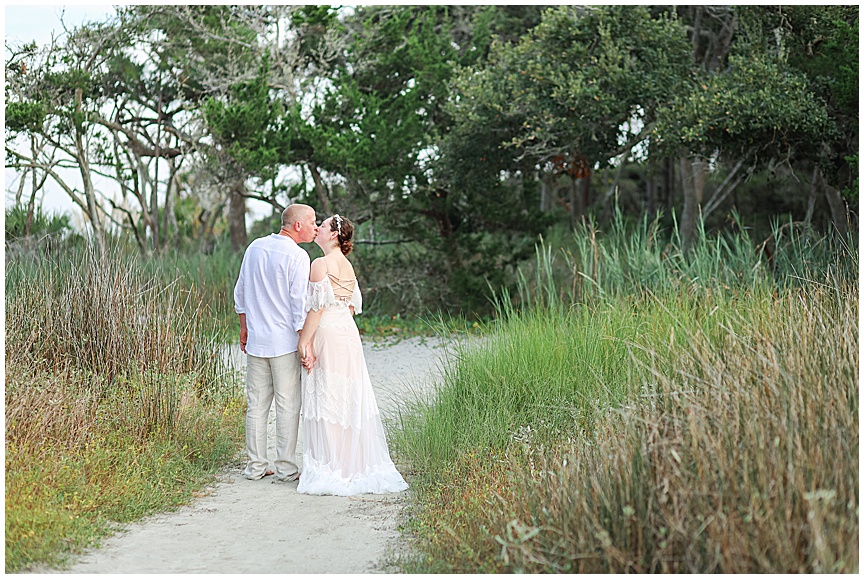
(307,358)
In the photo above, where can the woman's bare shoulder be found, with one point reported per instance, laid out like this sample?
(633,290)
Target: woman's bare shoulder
(346,270)
(318,269)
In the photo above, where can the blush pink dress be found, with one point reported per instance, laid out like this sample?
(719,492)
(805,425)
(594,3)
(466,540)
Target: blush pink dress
(346,450)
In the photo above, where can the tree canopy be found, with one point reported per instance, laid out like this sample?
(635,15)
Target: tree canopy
(467,130)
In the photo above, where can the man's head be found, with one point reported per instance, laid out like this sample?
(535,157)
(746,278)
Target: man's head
(298,223)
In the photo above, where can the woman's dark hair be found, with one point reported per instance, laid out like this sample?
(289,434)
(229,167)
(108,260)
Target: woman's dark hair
(345,229)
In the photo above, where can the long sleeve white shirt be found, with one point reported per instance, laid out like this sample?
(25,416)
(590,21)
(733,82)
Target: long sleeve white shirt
(271,291)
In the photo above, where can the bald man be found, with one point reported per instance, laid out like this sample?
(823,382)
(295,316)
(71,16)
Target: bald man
(270,299)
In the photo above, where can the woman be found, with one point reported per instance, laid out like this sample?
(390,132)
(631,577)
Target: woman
(346,452)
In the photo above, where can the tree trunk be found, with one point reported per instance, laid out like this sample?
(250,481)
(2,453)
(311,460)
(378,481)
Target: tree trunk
(811,198)
(580,189)
(575,203)
(237,216)
(172,190)
(154,192)
(668,183)
(87,180)
(31,205)
(21,184)
(839,210)
(547,191)
(321,190)
(154,208)
(586,191)
(693,185)
(90,195)
(651,196)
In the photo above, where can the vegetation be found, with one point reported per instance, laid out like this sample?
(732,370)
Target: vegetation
(455,134)
(661,386)
(117,400)
(674,415)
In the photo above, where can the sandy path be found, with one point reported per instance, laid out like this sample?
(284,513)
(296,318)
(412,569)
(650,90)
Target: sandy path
(263,526)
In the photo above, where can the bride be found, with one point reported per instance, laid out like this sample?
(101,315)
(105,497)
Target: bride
(346,452)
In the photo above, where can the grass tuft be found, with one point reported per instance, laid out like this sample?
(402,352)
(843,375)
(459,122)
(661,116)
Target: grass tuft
(637,410)
(117,402)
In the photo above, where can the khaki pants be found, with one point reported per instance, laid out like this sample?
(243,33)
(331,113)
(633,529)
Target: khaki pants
(268,379)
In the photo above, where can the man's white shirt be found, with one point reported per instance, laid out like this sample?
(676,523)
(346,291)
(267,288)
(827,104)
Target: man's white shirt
(271,291)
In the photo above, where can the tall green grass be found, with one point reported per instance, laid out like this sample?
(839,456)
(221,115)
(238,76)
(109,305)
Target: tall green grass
(671,413)
(634,257)
(117,400)
(211,276)
(742,459)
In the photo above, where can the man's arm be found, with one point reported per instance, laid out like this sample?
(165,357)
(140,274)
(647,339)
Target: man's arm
(298,284)
(244,333)
(240,304)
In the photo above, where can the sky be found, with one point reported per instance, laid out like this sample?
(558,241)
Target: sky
(24,23)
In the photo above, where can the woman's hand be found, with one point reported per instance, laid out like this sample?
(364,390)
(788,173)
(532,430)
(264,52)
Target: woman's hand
(307,358)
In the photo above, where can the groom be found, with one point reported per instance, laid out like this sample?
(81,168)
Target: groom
(270,296)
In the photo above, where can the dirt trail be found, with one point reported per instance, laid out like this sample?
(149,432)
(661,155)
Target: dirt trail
(264,526)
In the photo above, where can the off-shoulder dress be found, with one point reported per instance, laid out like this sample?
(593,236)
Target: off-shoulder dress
(346,451)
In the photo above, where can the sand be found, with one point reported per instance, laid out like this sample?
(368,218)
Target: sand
(264,526)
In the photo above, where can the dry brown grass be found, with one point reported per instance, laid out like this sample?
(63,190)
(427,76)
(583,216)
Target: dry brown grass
(744,460)
(116,401)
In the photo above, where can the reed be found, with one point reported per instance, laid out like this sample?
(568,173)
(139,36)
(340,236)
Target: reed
(673,414)
(634,257)
(117,401)
(744,459)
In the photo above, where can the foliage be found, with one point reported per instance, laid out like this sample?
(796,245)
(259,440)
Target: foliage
(25,116)
(394,93)
(580,80)
(822,44)
(755,107)
(648,429)
(251,126)
(40,223)
(115,381)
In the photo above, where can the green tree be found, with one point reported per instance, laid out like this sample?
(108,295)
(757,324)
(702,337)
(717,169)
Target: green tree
(381,126)
(746,102)
(253,132)
(582,88)
(53,96)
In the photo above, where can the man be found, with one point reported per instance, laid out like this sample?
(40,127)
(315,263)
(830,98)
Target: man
(270,298)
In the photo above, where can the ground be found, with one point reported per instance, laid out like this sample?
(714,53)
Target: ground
(264,526)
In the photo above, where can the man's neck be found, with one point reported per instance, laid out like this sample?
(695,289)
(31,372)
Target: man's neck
(288,233)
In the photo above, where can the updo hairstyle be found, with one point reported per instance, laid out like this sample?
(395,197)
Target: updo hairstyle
(344,238)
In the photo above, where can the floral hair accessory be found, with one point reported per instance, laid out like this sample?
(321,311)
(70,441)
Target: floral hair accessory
(338,220)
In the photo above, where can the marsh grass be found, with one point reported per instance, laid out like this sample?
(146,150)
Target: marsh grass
(117,402)
(667,416)
(210,276)
(742,459)
(635,257)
